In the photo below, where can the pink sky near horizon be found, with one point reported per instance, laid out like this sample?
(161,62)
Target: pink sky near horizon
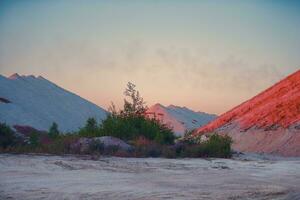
(215,104)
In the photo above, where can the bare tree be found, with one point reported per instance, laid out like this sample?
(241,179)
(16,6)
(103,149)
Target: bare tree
(134,104)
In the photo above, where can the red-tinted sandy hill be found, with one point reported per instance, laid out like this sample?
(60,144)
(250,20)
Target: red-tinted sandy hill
(275,110)
(180,119)
(277,106)
(160,112)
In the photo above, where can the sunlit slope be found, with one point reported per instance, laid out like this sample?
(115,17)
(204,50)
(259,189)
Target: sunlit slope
(269,122)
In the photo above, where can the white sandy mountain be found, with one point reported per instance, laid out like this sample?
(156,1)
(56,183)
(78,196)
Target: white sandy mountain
(37,102)
(180,119)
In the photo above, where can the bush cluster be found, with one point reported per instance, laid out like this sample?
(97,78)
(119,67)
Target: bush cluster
(215,146)
(128,128)
(132,127)
(130,122)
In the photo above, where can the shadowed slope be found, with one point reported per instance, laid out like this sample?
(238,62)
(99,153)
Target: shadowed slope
(37,102)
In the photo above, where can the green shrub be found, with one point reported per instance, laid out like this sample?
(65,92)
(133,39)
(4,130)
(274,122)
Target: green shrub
(90,129)
(7,136)
(132,127)
(53,131)
(216,146)
(34,139)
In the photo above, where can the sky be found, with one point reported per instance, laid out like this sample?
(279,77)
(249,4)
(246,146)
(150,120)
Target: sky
(207,55)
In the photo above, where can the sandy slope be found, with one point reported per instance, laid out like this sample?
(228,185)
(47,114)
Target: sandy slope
(54,177)
(284,142)
(278,106)
(37,102)
(268,122)
(180,119)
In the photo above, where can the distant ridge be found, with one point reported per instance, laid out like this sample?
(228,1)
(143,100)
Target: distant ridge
(180,119)
(37,102)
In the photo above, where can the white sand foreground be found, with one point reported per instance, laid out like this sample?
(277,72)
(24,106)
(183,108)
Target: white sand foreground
(72,177)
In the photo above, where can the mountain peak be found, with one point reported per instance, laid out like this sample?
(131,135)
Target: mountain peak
(158,105)
(17,76)
(14,76)
(172,106)
(178,118)
(41,77)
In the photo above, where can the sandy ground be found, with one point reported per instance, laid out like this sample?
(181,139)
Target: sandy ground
(70,177)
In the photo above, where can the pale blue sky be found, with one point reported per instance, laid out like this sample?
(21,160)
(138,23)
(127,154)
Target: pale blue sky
(207,55)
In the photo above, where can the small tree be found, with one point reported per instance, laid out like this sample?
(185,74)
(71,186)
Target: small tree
(53,131)
(112,109)
(91,125)
(90,129)
(7,136)
(34,139)
(135,105)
